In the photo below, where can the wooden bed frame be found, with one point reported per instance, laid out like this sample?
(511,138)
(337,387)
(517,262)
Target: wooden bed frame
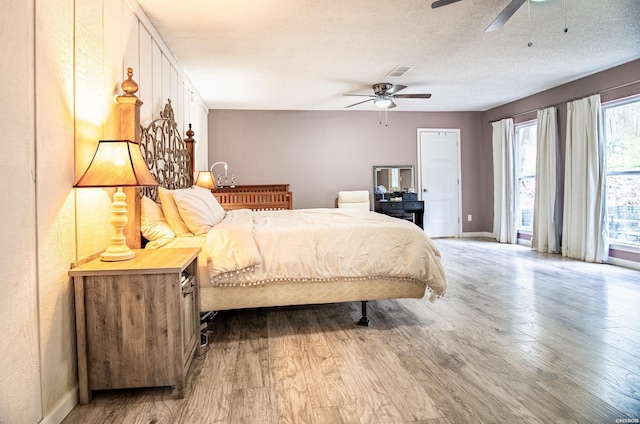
(266,197)
(169,159)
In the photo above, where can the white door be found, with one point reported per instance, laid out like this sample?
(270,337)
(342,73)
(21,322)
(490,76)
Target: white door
(439,177)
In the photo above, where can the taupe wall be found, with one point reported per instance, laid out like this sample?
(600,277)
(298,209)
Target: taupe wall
(321,152)
(620,75)
(63,65)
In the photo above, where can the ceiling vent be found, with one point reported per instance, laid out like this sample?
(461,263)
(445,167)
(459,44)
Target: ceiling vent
(399,71)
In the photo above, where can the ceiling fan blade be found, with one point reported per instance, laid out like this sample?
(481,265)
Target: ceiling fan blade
(412,96)
(396,88)
(504,16)
(439,3)
(359,103)
(392,105)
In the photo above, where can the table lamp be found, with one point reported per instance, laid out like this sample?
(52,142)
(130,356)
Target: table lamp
(223,180)
(205,179)
(117,163)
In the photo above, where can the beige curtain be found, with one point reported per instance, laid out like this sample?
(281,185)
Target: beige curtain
(504,182)
(584,231)
(547,220)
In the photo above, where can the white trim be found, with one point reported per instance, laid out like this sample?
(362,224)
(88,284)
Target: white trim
(621,101)
(419,166)
(62,408)
(624,262)
(518,158)
(623,247)
(524,242)
(479,234)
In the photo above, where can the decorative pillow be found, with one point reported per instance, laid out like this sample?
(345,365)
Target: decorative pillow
(198,208)
(171,213)
(152,223)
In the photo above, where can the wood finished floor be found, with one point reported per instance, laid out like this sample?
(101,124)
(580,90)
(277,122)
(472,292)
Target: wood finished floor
(521,337)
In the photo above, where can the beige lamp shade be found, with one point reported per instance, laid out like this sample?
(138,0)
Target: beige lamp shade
(205,179)
(117,163)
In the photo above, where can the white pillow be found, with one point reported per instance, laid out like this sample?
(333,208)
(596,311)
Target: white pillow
(152,223)
(198,208)
(171,213)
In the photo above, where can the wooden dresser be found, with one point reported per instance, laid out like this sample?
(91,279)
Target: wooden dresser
(137,321)
(401,205)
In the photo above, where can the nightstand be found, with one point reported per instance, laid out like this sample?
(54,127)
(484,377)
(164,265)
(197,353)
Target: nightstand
(137,321)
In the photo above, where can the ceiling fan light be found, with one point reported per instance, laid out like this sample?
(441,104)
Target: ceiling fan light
(383,102)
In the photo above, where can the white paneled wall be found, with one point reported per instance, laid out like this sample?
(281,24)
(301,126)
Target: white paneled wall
(160,78)
(65,62)
(19,349)
(55,133)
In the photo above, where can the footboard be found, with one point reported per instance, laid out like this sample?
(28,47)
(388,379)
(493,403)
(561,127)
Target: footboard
(255,197)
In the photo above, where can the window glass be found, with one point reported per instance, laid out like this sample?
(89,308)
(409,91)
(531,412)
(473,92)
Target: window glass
(526,144)
(621,130)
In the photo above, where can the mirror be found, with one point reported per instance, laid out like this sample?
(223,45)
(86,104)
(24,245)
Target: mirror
(393,179)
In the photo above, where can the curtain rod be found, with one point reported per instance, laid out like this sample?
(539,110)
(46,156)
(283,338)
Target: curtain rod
(569,100)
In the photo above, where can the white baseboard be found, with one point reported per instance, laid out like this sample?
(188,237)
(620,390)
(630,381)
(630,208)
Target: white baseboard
(624,262)
(524,242)
(612,260)
(62,408)
(484,234)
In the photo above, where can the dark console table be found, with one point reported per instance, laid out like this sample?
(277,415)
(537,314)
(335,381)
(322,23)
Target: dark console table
(401,205)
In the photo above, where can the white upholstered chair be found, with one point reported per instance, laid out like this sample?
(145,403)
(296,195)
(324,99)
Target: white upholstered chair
(354,199)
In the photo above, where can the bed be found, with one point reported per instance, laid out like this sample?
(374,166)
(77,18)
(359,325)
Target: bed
(254,256)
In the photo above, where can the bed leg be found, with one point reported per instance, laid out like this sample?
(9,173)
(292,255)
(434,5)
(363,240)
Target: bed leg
(364,320)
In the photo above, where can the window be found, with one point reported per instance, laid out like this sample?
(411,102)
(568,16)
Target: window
(621,130)
(525,164)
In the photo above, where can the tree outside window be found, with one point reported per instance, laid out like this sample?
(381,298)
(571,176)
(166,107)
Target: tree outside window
(526,145)
(621,130)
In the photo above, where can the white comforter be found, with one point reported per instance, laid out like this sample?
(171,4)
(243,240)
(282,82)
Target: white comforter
(265,247)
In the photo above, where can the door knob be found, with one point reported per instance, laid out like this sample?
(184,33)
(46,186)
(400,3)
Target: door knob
(425,190)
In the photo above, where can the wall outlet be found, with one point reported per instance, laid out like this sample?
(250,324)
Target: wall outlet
(469,218)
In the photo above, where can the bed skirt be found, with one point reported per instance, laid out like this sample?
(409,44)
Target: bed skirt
(285,294)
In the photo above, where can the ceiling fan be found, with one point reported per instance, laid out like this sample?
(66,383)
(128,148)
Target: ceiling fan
(500,20)
(384,93)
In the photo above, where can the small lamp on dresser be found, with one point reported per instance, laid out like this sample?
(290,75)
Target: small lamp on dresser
(117,163)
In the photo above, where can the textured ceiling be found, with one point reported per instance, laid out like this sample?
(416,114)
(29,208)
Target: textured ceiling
(306,54)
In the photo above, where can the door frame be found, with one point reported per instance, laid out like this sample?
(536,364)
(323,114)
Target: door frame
(459,176)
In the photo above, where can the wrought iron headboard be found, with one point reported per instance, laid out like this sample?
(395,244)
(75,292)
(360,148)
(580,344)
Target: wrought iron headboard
(166,153)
